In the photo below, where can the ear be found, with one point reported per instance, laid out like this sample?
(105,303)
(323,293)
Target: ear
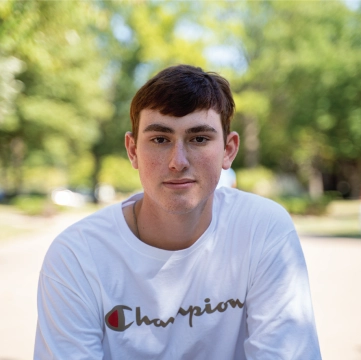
(231,150)
(131,149)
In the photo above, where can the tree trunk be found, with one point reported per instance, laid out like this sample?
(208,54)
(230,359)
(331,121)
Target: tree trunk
(354,179)
(5,161)
(251,141)
(17,148)
(95,174)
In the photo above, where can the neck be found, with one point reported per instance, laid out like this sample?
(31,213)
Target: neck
(159,228)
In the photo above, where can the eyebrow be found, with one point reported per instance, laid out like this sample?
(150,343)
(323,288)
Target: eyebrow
(200,128)
(166,129)
(159,128)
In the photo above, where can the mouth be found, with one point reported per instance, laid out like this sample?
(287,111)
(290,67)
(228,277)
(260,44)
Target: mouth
(179,183)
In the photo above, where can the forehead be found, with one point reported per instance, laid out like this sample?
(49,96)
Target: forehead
(196,118)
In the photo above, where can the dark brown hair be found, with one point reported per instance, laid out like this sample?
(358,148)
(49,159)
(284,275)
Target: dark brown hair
(182,89)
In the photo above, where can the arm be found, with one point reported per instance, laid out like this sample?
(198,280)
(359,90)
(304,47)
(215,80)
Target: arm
(67,328)
(69,325)
(279,310)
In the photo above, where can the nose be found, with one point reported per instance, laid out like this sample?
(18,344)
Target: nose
(179,159)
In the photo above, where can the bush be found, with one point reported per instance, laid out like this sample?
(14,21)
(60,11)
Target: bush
(265,182)
(305,205)
(33,205)
(258,180)
(118,172)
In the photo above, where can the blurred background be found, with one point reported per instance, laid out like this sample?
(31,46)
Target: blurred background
(68,71)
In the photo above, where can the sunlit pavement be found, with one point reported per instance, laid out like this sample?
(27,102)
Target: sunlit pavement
(334,269)
(20,262)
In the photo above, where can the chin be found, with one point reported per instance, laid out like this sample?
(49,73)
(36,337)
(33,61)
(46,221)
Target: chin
(179,206)
(178,209)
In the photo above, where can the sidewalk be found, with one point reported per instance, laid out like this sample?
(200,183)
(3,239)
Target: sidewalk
(334,266)
(20,262)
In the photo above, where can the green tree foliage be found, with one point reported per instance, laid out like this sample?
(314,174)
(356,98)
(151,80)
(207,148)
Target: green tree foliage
(69,70)
(304,63)
(118,171)
(59,104)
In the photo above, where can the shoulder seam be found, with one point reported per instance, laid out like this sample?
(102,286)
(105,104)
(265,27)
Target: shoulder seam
(67,287)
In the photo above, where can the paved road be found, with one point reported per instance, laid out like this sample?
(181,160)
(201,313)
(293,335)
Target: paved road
(334,269)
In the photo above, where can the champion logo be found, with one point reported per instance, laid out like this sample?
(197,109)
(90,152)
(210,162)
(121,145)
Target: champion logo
(115,318)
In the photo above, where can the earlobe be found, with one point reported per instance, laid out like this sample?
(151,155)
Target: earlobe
(231,149)
(131,147)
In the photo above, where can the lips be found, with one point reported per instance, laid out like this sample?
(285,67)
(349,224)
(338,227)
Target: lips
(179,183)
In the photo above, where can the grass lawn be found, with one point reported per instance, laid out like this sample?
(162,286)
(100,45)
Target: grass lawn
(14,223)
(343,219)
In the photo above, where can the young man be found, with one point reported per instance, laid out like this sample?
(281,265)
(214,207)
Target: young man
(180,271)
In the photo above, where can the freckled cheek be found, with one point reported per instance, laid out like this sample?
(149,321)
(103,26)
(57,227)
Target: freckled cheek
(210,168)
(155,161)
(149,166)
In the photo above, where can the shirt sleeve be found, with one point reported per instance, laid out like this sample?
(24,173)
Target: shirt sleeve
(280,318)
(69,325)
(66,327)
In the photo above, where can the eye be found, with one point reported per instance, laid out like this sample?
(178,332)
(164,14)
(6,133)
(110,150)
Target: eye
(200,139)
(159,140)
